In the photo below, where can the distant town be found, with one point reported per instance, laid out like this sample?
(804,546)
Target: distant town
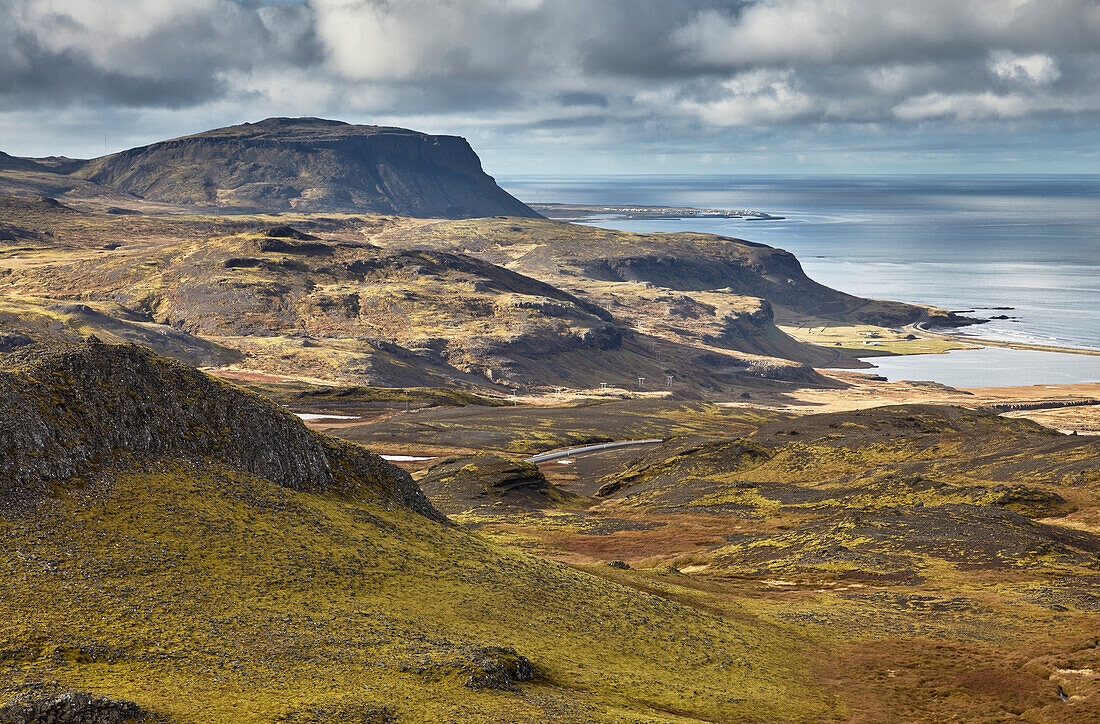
(585,211)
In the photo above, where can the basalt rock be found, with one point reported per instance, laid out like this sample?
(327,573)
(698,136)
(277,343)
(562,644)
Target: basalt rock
(455,484)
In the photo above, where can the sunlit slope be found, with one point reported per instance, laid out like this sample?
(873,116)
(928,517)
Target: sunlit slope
(883,493)
(260,293)
(195,577)
(682,266)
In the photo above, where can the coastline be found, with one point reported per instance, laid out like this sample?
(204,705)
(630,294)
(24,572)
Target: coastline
(1070,408)
(919,329)
(897,238)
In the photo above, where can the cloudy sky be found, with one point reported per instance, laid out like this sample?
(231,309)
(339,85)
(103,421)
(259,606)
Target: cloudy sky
(579,86)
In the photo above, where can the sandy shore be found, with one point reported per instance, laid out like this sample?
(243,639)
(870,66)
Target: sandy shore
(918,329)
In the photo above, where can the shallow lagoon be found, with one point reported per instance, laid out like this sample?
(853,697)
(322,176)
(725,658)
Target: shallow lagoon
(991,367)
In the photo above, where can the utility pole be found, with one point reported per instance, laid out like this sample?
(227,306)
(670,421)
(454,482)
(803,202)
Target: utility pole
(406,400)
(641,383)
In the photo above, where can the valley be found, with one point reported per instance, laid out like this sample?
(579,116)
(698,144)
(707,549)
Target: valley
(204,355)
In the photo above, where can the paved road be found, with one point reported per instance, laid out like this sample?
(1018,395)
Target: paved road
(557,454)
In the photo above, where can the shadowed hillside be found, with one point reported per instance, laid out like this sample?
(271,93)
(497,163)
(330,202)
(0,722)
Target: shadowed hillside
(70,412)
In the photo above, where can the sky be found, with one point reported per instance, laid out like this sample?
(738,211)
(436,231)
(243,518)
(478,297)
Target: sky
(579,86)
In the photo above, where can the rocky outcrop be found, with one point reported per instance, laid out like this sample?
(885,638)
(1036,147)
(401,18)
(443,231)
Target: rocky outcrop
(497,667)
(70,708)
(310,164)
(479,667)
(456,484)
(11,341)
(66,412)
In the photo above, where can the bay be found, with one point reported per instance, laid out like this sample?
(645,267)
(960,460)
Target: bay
(1022,247)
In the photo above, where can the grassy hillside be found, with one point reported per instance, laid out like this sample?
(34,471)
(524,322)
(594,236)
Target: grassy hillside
(180,544)
(943,564)
(184,578)
(680,265)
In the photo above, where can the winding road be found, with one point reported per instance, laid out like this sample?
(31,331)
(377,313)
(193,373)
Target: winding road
(558,454)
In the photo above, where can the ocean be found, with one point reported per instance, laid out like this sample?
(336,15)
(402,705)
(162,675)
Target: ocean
(962,243)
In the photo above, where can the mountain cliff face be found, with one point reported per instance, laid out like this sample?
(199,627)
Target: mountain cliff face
(310,164)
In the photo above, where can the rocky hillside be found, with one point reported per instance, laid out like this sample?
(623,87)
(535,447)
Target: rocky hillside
(14,163)
(320,298)
(309,164)
(67,412)
(872,488)
(376,300)
(681,267)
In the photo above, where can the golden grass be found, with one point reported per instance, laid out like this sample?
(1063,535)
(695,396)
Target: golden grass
(205,594)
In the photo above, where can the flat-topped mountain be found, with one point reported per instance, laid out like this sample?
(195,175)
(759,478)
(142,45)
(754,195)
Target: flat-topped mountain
(306,164)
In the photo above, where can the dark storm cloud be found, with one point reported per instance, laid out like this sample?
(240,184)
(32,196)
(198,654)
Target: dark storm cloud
(582,99)
(621,68)
(34,76)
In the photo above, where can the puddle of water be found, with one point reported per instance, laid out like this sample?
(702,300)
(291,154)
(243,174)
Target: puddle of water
(315,416)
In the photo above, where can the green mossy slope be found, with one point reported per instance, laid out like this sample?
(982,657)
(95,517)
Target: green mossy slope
(206,589)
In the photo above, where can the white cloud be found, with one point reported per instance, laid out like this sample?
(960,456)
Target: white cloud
(961,106)
(757,97)
(794,32)
(1037,68)
(418,39)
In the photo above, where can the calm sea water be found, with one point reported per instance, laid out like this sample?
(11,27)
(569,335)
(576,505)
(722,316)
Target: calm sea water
(958,242)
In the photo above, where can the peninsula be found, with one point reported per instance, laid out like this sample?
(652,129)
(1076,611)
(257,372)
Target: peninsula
(310,423)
